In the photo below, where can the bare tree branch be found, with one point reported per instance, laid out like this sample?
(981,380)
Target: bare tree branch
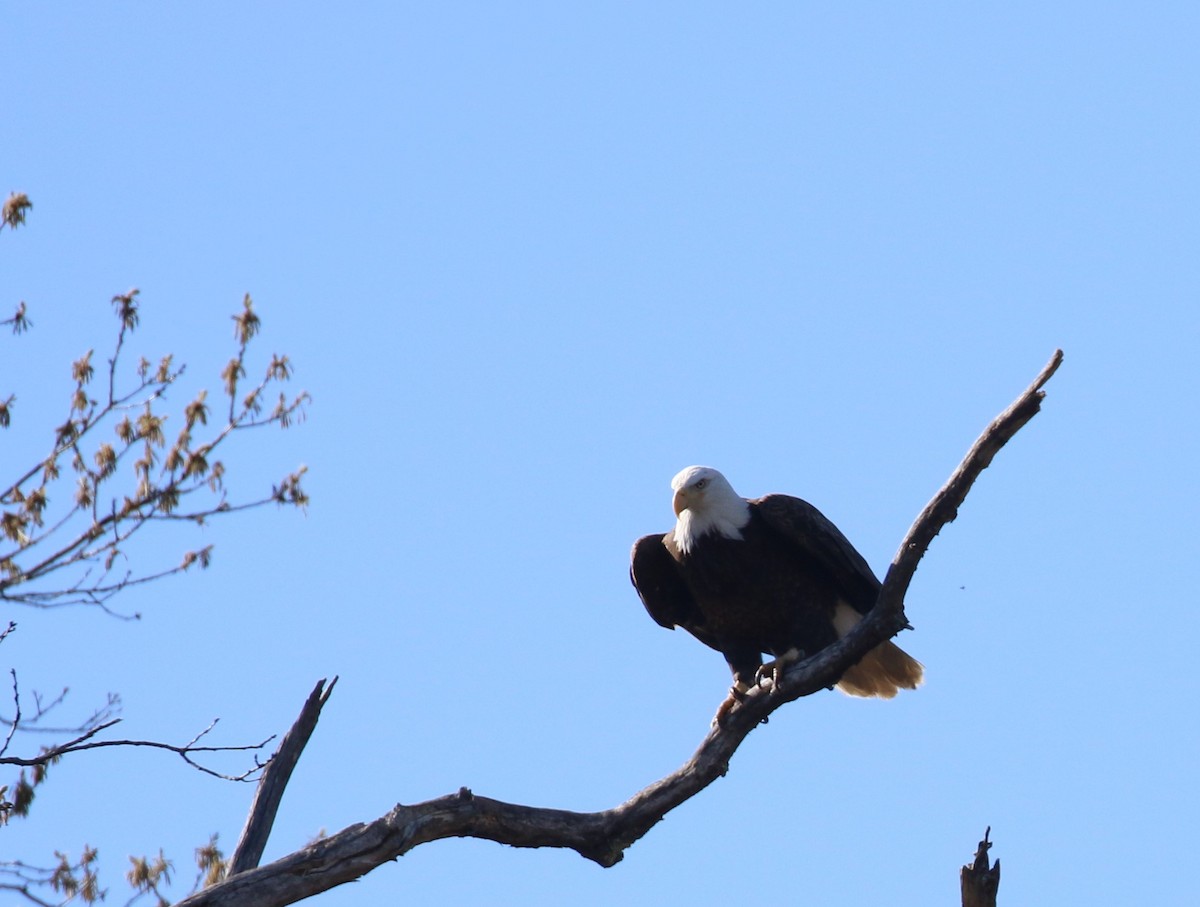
(186,751)
(31,724)
(944,506)
(604,836)
(274,780)
(99,721)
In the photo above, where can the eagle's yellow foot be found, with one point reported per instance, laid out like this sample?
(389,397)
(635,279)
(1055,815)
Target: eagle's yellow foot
(737,695)
(773,670)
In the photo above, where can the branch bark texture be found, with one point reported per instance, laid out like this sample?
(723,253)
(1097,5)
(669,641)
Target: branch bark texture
(274,779)
(604,836)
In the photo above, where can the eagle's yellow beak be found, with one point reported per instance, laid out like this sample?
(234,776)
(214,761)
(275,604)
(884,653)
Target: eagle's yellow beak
(679,503)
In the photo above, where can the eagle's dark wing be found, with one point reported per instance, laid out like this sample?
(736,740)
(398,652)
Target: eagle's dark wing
(656,577)
(801,522)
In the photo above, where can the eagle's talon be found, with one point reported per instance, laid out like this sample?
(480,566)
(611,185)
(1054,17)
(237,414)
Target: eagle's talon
(774,670)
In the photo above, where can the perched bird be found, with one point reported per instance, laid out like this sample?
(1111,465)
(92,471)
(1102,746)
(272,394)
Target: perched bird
(770,575)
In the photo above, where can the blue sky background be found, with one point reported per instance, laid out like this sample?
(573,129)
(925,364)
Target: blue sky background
(530,260)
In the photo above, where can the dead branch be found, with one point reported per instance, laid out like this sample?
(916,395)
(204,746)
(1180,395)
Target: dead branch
(274,780)
(604,836)
(979,881)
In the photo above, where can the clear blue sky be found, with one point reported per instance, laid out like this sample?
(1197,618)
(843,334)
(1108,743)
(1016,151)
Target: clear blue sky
(530,260)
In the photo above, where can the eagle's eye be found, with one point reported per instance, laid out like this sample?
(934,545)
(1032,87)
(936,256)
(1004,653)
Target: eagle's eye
(700,485)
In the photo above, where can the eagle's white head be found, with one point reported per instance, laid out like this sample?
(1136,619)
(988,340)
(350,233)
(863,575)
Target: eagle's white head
(705,502)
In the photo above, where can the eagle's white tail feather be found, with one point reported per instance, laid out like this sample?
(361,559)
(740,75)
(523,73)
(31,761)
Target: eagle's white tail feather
(883,671)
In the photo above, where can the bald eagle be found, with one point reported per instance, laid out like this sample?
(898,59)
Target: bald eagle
(770,575)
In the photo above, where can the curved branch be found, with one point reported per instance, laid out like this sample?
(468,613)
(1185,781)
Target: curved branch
(604,836)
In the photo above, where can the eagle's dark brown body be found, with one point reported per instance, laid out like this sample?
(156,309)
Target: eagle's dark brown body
(792,581)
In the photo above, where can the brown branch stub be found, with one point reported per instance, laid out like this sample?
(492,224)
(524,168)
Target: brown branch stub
(274,780)
(604,836)
(979,881)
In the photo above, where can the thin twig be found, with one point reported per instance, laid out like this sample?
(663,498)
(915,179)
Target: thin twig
(84,742)
(16,710)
